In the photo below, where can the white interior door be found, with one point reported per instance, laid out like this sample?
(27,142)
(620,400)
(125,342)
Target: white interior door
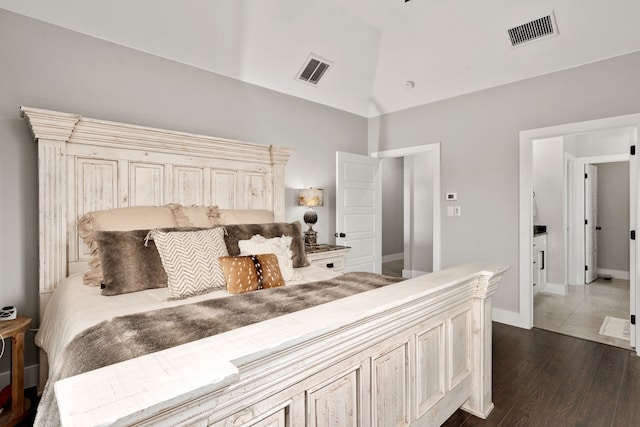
(359,210)
(591,222)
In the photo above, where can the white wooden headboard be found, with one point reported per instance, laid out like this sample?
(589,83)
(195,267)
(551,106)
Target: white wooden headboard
(87,164)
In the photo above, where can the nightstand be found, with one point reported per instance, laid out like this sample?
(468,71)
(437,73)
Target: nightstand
(15,329)
(328,256)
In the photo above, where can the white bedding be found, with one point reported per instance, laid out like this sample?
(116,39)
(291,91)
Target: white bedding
(75,307)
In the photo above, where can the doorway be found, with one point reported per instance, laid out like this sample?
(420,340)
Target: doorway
(419,202)
(592,299)
(527,139)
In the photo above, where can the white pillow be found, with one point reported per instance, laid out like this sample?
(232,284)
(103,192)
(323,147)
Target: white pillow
(280,246)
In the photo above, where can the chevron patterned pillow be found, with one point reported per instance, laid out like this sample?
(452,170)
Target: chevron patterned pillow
(190,259)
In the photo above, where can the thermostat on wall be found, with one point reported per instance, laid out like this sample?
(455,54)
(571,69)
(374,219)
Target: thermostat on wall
(451,196)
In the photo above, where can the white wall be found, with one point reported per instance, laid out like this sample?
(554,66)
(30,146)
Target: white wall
(548,185)
(479,134)
(45,66)
(612,141)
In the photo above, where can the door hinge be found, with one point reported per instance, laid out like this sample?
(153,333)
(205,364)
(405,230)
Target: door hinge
(633,319)
(586,176)
(633,234)
(586,268)
(632,150)
(586,222)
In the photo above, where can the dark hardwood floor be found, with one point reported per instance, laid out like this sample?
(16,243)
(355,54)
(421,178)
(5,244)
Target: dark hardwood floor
(545,379)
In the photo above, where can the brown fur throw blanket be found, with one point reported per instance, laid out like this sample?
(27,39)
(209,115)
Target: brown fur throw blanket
(134,335)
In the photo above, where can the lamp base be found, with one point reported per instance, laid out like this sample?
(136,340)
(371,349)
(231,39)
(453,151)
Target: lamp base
(310,238)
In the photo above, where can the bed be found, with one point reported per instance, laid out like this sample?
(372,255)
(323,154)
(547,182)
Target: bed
(405,353)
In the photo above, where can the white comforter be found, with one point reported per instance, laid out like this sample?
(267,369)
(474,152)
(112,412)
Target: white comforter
(75,307)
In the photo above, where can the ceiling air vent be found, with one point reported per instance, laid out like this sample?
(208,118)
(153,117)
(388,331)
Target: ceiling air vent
(535,30)
(313,69)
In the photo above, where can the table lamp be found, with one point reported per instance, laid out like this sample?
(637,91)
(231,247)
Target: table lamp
(310,197)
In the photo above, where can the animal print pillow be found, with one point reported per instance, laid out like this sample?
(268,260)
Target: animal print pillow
(251,273)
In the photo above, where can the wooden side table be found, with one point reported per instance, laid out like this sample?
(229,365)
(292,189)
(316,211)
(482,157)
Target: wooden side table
(15,329)
(328,256)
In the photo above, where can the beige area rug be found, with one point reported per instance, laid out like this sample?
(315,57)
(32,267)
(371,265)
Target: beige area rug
(615,327)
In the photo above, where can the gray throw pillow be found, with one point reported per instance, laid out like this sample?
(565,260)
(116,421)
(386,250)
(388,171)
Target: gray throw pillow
(127,264)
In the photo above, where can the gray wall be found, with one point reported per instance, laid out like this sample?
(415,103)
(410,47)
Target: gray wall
(613,216)
(479,136)
(45,66)
(420,177)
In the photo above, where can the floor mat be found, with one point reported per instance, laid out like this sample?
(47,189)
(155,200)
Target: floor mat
(615,327)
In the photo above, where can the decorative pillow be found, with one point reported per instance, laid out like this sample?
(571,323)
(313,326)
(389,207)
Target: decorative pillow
(251,273)
(119,219)
(196,216)
(280,246)
(237,232)
(128,265)
(245,216)
(190,259)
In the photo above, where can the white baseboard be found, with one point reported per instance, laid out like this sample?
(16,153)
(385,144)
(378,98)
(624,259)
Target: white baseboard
(616,274)
(408,274)
(30,377)
(554,288)
(508,318)
(393,257)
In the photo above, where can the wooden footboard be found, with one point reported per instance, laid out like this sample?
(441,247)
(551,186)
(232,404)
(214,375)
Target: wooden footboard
(409,353)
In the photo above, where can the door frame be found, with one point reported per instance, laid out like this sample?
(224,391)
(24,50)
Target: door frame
(434,149)
(577,198)
(590,222)
(525,314)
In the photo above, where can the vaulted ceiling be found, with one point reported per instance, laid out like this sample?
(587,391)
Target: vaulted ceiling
(445,47)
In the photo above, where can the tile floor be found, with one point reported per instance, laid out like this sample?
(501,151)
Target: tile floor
(580,313)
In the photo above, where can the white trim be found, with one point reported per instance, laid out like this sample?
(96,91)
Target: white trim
(30,377)
(393,257)
(616,274)
(437,230)
(508,317)
(409,274)
(568,218)
(608,158)
(554,288)
(525,314)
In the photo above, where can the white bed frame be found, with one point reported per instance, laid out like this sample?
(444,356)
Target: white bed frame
(410,353)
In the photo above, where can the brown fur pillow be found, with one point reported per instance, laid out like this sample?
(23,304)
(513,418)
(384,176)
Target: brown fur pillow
(119,219)
(127,264)
(237,232)
(251,273)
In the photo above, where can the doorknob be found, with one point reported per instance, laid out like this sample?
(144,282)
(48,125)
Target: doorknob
(340,235)
(598,228)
